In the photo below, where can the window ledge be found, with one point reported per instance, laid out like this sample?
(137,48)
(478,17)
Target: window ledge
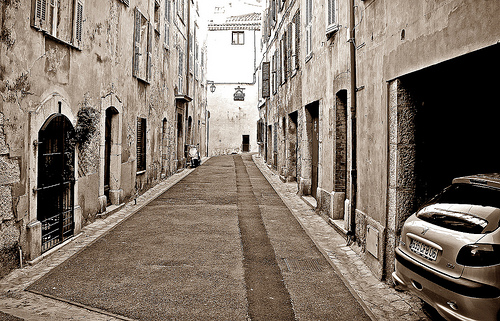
(48,35)
(147,82)
(141,172)
(332,29)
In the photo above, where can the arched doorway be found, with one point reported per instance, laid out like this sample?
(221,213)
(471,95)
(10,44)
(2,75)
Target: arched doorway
(110,140)
(56,180)
(312,132)
(165,146)
(189,130)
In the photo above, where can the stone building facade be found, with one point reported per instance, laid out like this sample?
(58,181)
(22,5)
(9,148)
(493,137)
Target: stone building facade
(367,104)
(233,49)
(98,99)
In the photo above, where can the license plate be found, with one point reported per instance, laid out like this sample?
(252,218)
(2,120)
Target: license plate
(424,250)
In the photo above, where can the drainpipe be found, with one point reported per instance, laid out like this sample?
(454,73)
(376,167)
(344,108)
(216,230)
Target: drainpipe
(353,173)
(188,45)
(188,83)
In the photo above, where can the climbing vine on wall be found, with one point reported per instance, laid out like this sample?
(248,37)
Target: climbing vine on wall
(86,124)
(87,137)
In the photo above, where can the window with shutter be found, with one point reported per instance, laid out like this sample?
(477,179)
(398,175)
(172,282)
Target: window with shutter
(309,9)
(168,8)
(141,144)
(157,16)
(289,50)
(181,71)
(278,64)
(265,79)
(78,24)
(143,35)
(296,20)
(273,13)
(166,38)
(191,60)
(180,9)
(40,14)
(137,42)
(274,73)
(284,57)
(60,19)
(149,75)
(332,24)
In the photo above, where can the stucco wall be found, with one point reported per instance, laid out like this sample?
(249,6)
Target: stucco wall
(231,66)
(41,75)
(399,38)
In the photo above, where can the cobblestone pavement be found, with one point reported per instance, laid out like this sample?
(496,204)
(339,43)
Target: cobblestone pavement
(383,301)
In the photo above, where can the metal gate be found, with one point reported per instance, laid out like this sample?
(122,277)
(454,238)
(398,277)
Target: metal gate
(56,180)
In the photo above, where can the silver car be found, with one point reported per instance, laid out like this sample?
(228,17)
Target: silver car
(449,251)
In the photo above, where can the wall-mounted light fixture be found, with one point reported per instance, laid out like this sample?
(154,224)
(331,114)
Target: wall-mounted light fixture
(212,85)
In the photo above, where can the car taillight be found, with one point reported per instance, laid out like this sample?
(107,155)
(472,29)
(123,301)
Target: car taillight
(479,255)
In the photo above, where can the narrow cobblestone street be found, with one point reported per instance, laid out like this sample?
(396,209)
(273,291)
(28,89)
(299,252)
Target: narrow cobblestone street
(225,241)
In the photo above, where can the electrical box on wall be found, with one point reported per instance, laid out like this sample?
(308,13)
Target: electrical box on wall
(372,240)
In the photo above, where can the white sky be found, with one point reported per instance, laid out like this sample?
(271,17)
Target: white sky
(229,7)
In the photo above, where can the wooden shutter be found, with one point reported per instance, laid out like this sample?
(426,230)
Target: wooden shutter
(141,144)
(285,56)
(274,72)
(167,24)
(137,43)
(149,76)
(167,10)
(265,79)
(40,14)
(79,23)
(181,70)
(331,12)
(278,64)
(308,27)
(310,12)
(289,54)
(273,12)
(297,38)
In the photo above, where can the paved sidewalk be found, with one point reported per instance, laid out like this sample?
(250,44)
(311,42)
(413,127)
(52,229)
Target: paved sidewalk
(383,301)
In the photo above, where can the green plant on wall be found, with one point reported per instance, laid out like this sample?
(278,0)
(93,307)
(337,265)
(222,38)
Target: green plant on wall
(86,124)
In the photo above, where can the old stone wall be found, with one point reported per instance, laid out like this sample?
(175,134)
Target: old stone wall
(88,66)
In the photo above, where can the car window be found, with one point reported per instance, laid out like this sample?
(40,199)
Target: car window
(466,194)
(461,222)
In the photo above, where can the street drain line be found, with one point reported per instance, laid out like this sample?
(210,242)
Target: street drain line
(268,298)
